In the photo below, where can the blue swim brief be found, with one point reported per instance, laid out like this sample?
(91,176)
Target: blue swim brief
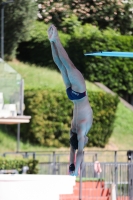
(72,95)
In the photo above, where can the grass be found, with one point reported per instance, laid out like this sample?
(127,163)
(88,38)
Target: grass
(8,143)
(122,136)
(38,77)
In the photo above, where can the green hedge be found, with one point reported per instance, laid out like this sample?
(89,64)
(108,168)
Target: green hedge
(116,73)
(51,114)
(84,179)
(7,164)
(37,50)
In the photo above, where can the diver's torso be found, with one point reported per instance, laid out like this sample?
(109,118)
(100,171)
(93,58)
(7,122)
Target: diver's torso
(82,114)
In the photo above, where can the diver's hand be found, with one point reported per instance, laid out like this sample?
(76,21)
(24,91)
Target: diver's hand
(72,170)
(73,174)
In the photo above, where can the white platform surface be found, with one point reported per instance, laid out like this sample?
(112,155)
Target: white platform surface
(35,187)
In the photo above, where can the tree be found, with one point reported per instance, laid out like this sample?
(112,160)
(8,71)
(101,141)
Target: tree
(106,13)
(18,18)
(53,11)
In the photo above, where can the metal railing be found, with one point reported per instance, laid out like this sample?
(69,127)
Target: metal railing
(60,156)
(14,171)
(130,181)
(121,174)
(117,173)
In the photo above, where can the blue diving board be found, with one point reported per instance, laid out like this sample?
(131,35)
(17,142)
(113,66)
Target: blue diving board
(111,54)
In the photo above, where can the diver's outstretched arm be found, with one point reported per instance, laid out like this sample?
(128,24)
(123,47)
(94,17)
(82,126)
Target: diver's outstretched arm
(72,155)
(79,156)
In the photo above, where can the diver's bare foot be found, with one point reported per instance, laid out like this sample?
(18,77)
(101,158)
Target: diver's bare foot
(52,33)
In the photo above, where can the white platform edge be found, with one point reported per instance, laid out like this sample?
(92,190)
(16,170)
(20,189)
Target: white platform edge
(33,187)
(30,177)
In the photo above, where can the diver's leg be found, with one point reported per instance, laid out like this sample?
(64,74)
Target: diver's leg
(76,78)
(60,65)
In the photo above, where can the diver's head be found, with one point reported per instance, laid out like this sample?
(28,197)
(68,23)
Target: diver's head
(74,141)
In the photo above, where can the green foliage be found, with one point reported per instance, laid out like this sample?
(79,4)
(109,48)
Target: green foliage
(84,179)
(8,164)
(114,14)
(116,73)
(53,11)
(70,23)
(18,18)
(37,50)
(104,109)
(51,113)
(51,118)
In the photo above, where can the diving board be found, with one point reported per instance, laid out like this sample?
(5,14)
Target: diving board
(111,54)
(33,187)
